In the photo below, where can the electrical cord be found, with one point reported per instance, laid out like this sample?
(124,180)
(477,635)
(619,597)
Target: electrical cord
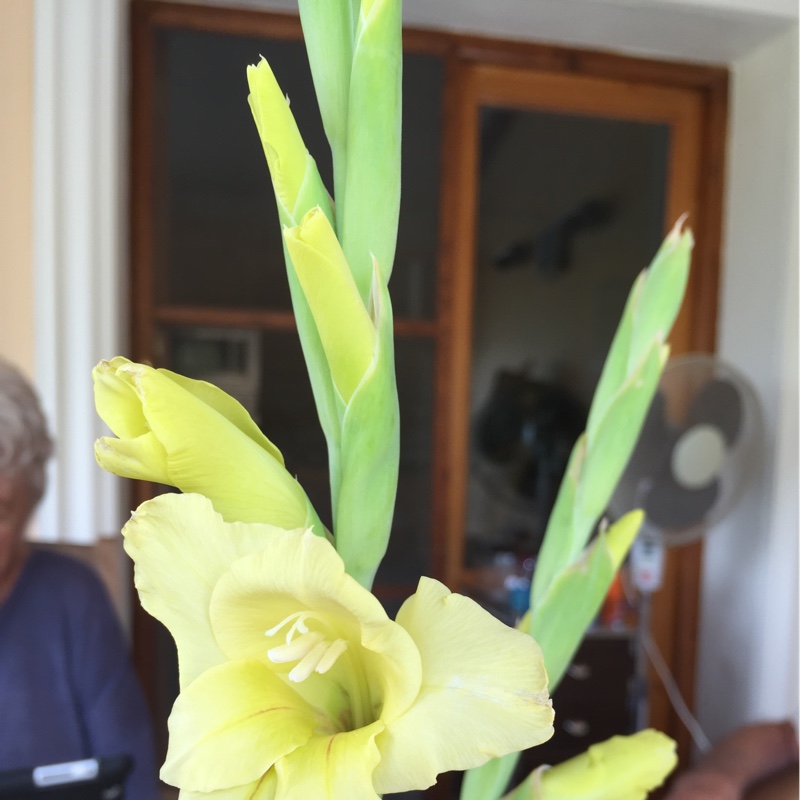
(661,668)
(673,692)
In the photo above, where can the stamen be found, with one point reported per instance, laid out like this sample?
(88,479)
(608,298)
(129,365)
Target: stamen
(312,651)
(300,625)
(308,663)
(298,648)
(331,655)
(299,615)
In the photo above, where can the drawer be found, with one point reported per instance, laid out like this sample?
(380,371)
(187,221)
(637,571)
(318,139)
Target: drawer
(601,666)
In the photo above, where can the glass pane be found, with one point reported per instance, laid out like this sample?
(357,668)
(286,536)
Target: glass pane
(408,556)
(220,216)
(414,276)
(570,210)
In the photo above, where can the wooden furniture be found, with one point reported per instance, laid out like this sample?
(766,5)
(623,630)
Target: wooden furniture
(201,262)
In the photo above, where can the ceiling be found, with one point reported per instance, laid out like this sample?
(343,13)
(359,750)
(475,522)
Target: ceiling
(709,31)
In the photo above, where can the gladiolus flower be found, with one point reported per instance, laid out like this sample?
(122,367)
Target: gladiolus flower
(295,683)
(192,435)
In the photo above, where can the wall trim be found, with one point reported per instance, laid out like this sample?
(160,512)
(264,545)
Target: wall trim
(80,153)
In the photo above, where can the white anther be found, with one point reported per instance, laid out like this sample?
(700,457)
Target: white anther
(296,649)
(331,655)
(308,663)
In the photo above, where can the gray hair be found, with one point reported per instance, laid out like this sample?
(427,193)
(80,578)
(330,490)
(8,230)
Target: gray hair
(25,444)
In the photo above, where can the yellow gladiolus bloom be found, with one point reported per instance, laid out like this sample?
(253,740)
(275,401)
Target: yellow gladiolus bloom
(192,435)
(295,683)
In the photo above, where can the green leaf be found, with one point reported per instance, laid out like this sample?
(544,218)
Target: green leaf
(609,448)
(370,452)
(662,292)
(650,312)
(559,621)
(489,781)
(560,546)
(368,204)
(329,29)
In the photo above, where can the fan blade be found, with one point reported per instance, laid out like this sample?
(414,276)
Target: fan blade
(671,507)
(718,403)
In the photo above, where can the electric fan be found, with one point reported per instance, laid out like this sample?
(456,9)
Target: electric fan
(698,449)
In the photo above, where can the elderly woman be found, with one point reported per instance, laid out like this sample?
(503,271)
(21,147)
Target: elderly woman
(67,688)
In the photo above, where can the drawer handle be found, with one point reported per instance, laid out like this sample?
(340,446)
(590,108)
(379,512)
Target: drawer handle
(580,672)
(576,727)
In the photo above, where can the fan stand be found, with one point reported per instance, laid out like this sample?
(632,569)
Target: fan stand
(647,574)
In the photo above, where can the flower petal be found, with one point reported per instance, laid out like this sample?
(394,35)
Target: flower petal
(297,572)
(142,457)
(180,547)
(262,789)
(228,407)
(281,139)
(335,766)
(484,692)
(116,400)
(229,726)
(345,329)
(208,454)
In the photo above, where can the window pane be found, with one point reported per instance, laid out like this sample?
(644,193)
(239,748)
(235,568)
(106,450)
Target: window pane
(221,217)
(220,244)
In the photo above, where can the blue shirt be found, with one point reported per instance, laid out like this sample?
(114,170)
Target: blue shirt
(67,687)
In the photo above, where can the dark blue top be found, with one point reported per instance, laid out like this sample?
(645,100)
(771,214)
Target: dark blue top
(67,686)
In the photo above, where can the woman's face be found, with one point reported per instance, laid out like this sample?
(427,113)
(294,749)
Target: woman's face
(15,508)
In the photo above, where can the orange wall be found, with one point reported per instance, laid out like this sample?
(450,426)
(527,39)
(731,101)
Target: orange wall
(16,187)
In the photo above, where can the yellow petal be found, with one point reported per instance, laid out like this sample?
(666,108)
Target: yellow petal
(484,692)
(116,401)
(347,333)
(261,789)
(338,766)
(228,407)
(209,454)
(142,458)
(229,726)
(296,572)
(180,547)
(620,768)
(280,137)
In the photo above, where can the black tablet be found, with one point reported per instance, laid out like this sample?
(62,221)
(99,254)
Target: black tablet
(89,779)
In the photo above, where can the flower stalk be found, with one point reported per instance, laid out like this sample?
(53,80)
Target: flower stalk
(293,680)
(339,262)
(572,575)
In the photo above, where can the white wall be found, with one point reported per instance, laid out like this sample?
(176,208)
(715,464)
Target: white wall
(16,198)
(748,637)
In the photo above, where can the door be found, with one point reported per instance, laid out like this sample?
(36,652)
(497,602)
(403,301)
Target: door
(561,186)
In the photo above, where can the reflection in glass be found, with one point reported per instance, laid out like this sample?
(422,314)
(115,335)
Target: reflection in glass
(409,553)
(221,218)
(570,210)
(220,244)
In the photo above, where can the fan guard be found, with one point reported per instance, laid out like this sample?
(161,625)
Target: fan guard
(698,448)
